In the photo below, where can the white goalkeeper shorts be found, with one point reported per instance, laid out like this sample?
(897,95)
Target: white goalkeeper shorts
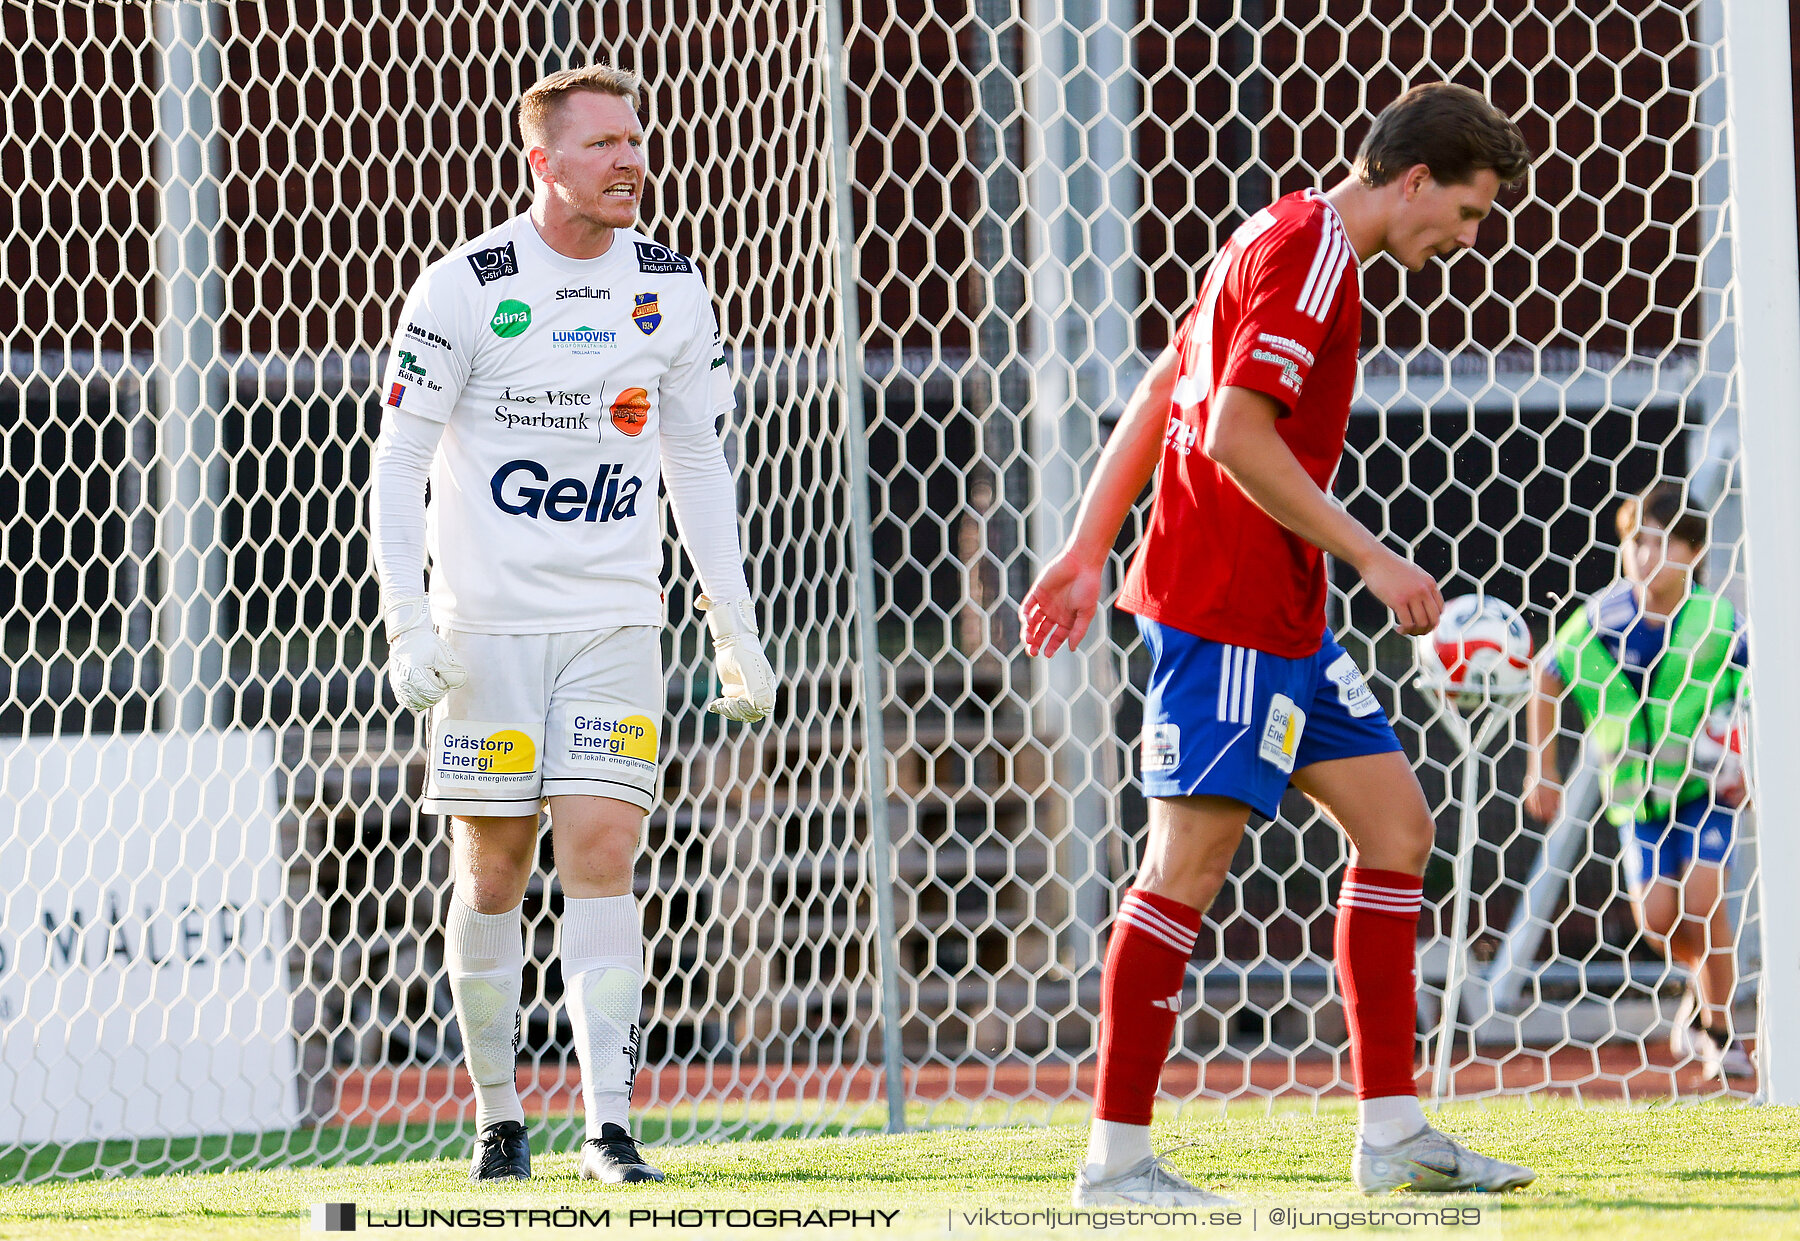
(545,714)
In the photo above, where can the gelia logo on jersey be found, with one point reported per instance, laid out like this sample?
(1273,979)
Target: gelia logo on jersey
(656,260)
(523,488)
(495,263)
(584,339)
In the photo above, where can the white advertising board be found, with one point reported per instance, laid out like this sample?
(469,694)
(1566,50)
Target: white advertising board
(143,951)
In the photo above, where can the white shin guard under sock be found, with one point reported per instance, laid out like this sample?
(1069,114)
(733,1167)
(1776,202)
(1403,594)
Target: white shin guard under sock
(602,952)
(1114,1147)
(485,955)
(1385,1121)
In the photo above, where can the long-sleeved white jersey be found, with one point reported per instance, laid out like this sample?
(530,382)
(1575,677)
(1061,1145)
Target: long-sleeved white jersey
(565,390)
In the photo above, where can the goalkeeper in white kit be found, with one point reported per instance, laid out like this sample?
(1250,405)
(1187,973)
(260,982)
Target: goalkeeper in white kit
(544,377)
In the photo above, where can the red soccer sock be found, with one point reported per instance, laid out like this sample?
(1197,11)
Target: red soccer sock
(1377,929)
(1146,963)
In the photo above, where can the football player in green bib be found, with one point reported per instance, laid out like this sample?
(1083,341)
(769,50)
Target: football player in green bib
(1656,664)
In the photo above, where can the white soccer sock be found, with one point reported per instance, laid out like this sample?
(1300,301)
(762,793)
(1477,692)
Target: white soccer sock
(1114,1147)
(486,959)
(1385,1121)
(602,952)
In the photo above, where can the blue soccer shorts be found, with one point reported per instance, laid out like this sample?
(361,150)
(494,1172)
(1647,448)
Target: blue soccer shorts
(1664,848)
(1228,721)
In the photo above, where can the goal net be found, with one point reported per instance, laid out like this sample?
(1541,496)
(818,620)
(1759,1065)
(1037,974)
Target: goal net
(945,240)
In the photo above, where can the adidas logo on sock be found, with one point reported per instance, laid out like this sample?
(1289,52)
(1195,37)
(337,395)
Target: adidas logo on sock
(1173,1003)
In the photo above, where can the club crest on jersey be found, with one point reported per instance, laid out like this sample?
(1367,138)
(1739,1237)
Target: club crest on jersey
(646,313)
(495,263)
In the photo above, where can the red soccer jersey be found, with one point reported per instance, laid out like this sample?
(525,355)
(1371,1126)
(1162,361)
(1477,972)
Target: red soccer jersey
(1281,312)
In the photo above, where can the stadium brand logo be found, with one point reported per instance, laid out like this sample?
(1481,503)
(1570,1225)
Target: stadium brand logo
(631,411)
(646,313)
(585,291)
(334,1217)
(584,339)
(495,263)
(657,260)
(511,318)
(610,497)
(428,338)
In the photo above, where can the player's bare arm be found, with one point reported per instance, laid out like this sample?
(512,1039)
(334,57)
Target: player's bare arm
(1242,438)
(1062,602)
(1543,768)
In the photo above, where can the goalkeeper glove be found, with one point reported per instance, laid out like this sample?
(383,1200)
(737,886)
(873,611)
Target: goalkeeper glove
(745,676)
(421,666)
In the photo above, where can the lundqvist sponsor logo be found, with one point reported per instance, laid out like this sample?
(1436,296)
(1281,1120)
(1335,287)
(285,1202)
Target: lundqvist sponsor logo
(584,340)
(524,488)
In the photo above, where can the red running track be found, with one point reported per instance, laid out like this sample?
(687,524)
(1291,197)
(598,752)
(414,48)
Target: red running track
(1623,1072)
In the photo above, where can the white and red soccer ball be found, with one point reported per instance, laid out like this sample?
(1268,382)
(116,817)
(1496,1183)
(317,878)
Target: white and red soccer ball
(1480,652)
(1719,753)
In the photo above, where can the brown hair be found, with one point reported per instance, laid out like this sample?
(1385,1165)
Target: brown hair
(1452,130)
(540,103)
(1665,507)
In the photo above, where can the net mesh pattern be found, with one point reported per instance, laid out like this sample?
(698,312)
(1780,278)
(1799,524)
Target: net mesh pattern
(216,212)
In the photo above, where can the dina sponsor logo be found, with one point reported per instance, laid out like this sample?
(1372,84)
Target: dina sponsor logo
(584,339)
(523,488)
(495,263)
(563,295)
(659,260)
(511,318)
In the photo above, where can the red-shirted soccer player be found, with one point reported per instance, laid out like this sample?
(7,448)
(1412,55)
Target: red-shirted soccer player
(1245,413)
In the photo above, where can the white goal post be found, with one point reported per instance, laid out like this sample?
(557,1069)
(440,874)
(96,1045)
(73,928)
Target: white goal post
(945,240)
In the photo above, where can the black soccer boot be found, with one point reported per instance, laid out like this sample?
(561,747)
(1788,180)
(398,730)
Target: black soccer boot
(613,1157)
(502,1153)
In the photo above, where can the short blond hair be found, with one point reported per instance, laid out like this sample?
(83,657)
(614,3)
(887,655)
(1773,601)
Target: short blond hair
(539,105)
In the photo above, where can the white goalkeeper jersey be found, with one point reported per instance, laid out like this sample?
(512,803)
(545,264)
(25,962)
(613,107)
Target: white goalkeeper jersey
(555,379)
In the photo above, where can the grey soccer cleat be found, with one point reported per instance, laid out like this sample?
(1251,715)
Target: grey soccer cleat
(1152,1183)
(1430,1162)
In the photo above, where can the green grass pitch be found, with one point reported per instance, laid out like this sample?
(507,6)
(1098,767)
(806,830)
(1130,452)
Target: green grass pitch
(1718,1171)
